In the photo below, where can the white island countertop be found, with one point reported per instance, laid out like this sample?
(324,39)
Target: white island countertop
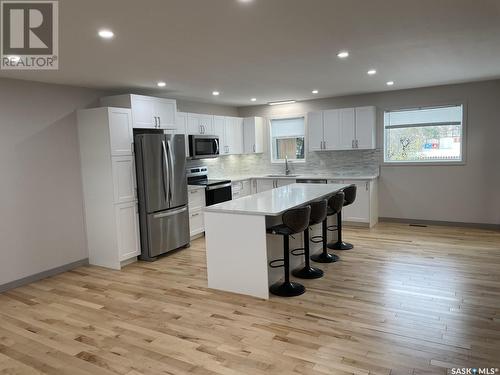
(276,201)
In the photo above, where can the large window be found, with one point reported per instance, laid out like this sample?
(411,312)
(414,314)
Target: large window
(424,135)
(287,139)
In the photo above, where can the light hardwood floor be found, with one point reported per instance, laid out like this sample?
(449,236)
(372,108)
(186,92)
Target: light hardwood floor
(406,300)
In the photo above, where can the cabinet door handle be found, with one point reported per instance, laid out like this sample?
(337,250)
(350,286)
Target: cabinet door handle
(357,143)
(367,185)
(253,148)
(352,144)
(159,121)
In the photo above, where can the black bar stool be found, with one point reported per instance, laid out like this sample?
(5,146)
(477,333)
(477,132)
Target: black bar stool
(294,221)
(350,197)
(318,215)
(335,203)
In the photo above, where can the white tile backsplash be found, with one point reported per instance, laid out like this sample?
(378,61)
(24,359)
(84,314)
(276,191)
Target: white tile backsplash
(326,162)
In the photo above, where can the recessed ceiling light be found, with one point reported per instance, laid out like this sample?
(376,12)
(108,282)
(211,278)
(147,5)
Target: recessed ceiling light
(343,54)
(315,91)
(253,99)
(371,72)
(215,93)
(283,102)
(390,83)
(161,84)
(106,34)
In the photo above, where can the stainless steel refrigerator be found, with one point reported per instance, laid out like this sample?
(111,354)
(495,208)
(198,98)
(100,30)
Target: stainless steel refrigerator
(162,190)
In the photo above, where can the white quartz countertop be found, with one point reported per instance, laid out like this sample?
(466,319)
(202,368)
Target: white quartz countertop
(236,178)
(276,201)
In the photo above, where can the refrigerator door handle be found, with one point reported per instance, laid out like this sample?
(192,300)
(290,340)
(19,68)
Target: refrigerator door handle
(165,160)
(171,180)
(170,213)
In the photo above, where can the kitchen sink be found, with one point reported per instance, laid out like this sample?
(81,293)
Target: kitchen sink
(282,175)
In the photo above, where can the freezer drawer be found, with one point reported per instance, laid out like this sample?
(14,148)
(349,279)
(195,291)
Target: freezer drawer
(168,230)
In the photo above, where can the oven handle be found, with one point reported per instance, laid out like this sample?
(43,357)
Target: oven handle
(219,186)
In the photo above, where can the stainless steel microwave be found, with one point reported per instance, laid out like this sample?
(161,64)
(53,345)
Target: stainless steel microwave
(203,146)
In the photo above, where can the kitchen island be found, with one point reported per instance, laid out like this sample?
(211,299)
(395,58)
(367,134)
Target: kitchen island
(237,245)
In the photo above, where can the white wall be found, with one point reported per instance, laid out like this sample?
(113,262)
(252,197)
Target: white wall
(206,108)
(41,214)
(468,193)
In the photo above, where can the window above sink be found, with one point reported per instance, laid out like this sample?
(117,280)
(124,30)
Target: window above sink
(287,135)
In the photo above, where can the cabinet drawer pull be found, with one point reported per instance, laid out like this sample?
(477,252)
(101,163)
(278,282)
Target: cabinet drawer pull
(193,215)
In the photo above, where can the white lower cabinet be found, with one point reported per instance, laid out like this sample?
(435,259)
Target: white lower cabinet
(283,182)
(364,210)
(241,189)
(127,230)
(264,184)
(196,222)
(196,203)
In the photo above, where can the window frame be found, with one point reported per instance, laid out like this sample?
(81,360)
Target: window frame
(462,162)
(284,117)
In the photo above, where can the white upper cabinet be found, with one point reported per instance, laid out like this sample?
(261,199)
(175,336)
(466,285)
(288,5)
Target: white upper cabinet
(315,131)
(120,131)
(220,131)
(234,134)
(143,112)
(165,110)
(253,135)
(332,129)
(181,121)
(200,124)
(366,120)
(147,112)
(347,129)
(342,129)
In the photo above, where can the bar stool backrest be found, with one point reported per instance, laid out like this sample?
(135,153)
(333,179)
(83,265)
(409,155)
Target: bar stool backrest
(350,194)
(318,211)
(336,202)
(297,219)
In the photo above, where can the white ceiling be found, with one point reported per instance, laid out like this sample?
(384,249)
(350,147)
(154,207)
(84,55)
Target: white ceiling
(273,49)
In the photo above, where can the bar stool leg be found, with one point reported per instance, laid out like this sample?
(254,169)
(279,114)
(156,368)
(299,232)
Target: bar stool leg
(287,288)
(340,245)
(307,272)
(324,256)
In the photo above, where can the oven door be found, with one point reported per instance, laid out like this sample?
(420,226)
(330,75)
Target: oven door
(203,146)
(218,193)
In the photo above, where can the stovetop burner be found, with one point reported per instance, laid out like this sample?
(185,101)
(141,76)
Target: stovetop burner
(199,176)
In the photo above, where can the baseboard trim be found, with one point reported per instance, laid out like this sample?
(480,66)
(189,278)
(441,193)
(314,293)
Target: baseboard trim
(43,275)
(495,227)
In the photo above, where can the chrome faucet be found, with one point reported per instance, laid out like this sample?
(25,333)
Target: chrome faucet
(287,169)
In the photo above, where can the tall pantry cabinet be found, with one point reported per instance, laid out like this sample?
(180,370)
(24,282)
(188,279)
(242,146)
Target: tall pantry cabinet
(109,188)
